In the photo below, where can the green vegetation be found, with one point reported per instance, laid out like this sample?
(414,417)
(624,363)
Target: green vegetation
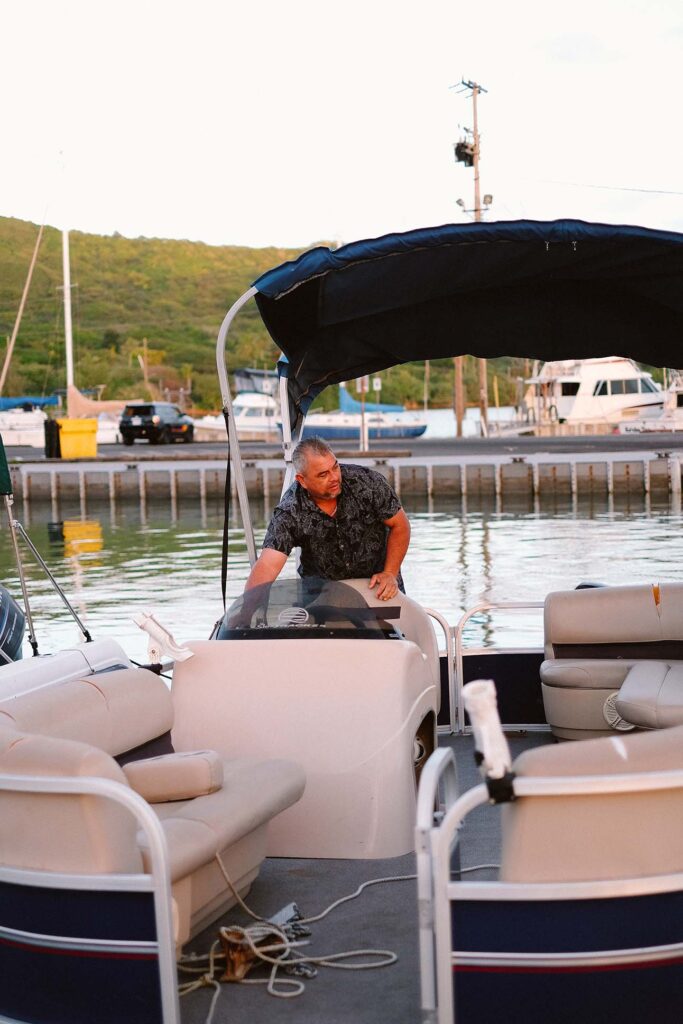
(165,298)
(174,294)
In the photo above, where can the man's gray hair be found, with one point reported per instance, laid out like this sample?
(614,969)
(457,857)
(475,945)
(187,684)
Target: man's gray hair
(309,446)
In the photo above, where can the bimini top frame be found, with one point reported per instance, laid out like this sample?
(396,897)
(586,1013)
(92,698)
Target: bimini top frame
(539,290)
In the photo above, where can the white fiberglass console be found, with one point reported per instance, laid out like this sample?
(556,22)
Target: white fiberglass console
(310,671)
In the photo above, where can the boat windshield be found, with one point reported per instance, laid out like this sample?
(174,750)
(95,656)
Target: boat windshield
(309,608)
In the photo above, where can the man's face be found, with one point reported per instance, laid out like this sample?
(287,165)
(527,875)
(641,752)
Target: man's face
(321,477)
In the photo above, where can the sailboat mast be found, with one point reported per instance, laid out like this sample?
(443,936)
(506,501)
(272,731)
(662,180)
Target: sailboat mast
(15,330)
(68,332)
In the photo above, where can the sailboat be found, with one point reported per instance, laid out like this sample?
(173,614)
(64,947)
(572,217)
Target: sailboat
(22,419)
(382,421)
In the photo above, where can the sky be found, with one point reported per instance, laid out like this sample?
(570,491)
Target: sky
(287,123)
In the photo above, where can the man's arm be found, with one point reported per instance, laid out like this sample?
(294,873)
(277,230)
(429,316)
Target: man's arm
(266,568)
(397,546)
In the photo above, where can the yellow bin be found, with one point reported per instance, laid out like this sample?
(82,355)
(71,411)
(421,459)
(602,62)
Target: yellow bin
(78,438)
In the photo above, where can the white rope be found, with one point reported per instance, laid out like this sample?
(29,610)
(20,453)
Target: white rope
(283,952)
(206,980)
(354,895)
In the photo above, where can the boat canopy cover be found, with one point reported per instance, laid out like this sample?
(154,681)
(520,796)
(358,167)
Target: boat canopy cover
(540,290)
(5,478)
(32,401)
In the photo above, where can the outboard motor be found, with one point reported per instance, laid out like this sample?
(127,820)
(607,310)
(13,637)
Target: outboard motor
(12,624)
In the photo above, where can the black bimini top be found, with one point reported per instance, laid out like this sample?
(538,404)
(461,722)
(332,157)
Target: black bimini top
(540,290)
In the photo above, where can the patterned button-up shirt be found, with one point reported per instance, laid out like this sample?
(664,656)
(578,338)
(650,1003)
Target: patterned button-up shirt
(352,543)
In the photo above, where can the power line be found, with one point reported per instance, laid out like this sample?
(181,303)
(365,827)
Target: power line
(611,188)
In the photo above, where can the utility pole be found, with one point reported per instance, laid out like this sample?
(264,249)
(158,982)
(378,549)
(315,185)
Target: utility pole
(468,153)
(458,394)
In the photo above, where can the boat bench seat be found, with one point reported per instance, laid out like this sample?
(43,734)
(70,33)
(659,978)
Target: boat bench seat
(651,696)
(107,725)
(571,837)
(613,653)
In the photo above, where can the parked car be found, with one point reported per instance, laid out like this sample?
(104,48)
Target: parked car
(159,422)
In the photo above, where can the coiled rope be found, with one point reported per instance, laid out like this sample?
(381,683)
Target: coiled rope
(283,953)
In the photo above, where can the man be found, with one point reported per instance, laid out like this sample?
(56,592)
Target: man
(347,521)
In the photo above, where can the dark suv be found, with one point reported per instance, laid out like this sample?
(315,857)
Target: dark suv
(159,422)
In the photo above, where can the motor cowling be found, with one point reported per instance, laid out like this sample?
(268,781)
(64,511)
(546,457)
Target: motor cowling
(12,625)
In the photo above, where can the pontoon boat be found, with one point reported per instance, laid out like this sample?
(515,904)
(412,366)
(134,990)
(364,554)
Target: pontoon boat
(282,765)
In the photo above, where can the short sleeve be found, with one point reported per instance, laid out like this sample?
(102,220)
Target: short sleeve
(385,499)
(280,533)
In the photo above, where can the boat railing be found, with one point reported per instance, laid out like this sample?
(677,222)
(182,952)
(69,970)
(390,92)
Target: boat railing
(457,707)
(450,661)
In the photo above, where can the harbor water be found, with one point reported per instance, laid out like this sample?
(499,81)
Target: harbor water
(115,561)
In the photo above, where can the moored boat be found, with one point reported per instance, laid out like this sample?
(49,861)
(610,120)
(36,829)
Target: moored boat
(379,420)
(666,420)
(255,410)
(590,392)
(338,425)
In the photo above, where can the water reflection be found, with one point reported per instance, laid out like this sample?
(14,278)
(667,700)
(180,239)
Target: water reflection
(165,555)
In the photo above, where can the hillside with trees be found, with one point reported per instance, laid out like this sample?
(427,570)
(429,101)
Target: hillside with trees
(160,303)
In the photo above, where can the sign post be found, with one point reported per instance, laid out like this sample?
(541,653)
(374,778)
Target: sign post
(363,386)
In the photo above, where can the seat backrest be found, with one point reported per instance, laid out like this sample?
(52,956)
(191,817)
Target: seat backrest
(65,833)
(114,711)
(598,836)
(603,615)
(414,622)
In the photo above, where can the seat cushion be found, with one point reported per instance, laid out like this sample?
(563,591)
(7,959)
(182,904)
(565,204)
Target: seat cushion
(585,673)
(652,695)
(252,793)
(180,776)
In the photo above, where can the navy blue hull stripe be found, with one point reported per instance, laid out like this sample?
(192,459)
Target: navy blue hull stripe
(590,926)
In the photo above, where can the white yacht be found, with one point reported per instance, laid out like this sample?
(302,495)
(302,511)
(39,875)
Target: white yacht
(666,420)
(255,409)
(256,412)
(590,391)
(256,418)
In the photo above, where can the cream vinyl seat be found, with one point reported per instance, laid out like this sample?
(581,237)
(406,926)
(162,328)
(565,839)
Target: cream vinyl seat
(583,922)
(613,653)
(107,725)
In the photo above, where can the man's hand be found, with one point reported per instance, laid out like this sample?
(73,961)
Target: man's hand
(386,583)
(397,545)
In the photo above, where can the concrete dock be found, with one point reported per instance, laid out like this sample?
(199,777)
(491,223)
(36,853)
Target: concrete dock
(536,466)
